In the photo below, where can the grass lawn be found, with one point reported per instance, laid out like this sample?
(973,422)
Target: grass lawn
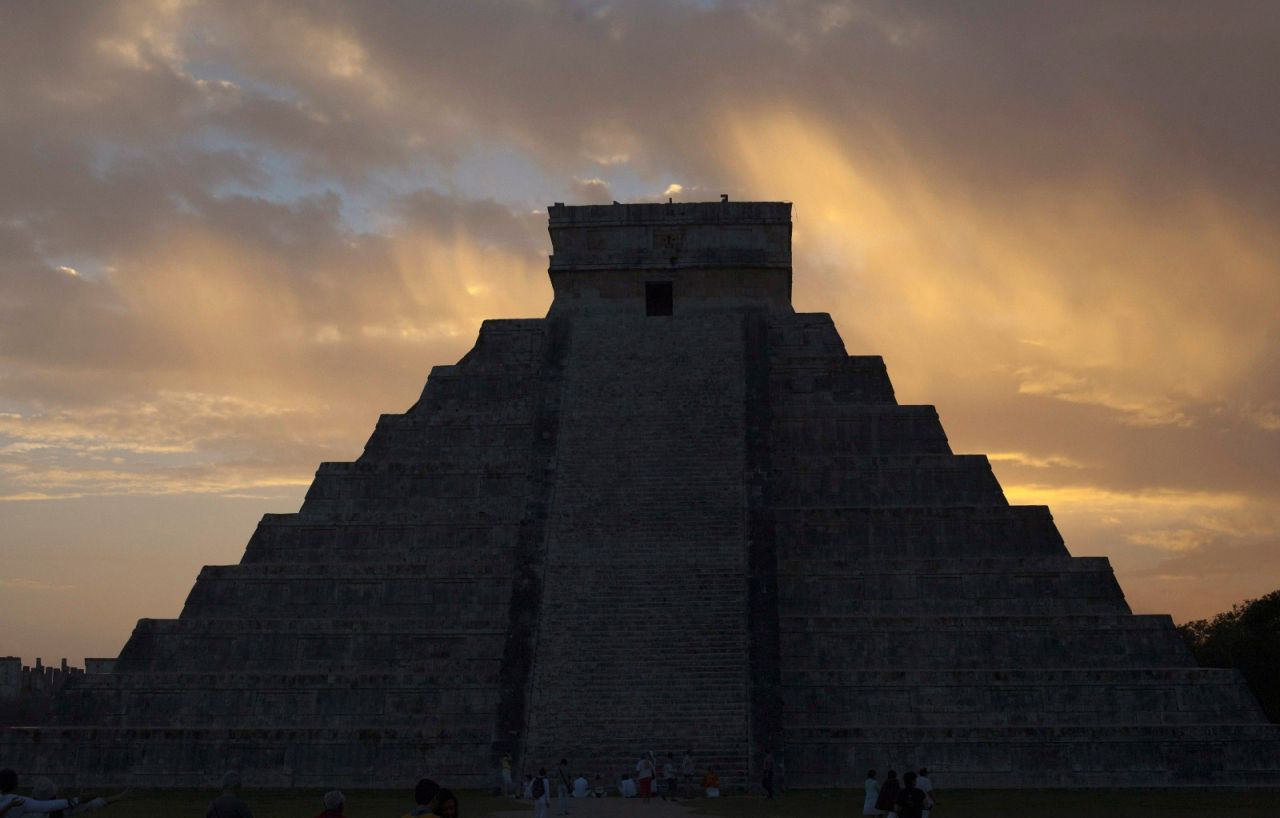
(1017,804)
(287,803)
(796,804)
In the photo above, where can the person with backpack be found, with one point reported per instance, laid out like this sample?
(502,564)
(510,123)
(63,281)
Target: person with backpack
(541,792)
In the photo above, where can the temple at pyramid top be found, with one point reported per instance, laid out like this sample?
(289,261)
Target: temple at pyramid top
(673,258)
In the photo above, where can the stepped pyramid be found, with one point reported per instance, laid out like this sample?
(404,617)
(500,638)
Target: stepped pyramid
(672,514)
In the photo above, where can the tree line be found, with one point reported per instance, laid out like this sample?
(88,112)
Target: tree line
(1247,638)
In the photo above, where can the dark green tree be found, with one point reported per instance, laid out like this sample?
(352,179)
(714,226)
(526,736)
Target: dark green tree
(1247,637)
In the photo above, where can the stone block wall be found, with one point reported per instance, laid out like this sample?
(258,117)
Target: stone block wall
(361,640)
(642,641)
(925,622)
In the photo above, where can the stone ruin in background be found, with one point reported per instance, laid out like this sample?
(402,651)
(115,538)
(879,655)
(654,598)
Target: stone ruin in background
(672,514)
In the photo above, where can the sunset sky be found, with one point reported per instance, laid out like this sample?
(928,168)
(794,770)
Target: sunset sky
(232,234)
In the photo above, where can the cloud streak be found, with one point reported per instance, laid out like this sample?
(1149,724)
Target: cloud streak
(231,236)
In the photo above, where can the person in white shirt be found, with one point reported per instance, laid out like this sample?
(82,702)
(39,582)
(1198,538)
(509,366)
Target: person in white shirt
(581,788)
(541,800)
(44,790)
(926,786)
(872,790)
(644,777)
(12,805)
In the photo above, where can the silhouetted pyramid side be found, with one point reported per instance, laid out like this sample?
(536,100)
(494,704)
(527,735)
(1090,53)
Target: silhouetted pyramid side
(359,641)
(925,622)
(673,514)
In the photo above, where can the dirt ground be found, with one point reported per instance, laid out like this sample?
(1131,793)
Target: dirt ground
(796,804)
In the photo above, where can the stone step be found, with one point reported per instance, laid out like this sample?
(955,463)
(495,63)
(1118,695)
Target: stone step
(798,676)
(974,642)
(1065,755)
(1146,695)
(412,510)
(899,625)
(850,431)
(803,334)
(1034,565)
(984,587)
(350,757)
(810,605)
(411,487)
(266,706)
(854,532)
(886,482)
(287,645)
(804,380)
(282,538)
(421,592)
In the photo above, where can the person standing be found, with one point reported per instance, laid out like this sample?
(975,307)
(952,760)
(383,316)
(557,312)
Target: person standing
(871,792)
(228,805)
(669,777)
(334,802)
(644,777)
(910,798)
(447,804)
(426,795)
(687,773)
(563,782)
(541,794)
(711,783)
(766,779)
(508,786)
(887,800)
(926,786)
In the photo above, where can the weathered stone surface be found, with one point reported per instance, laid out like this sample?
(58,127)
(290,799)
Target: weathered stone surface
(606,531)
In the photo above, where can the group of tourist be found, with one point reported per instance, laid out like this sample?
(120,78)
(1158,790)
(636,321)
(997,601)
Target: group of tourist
(429,799)
(44,799)
(664,778)
(913,797)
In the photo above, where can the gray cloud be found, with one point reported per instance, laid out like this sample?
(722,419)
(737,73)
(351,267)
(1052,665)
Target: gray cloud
(1055,222)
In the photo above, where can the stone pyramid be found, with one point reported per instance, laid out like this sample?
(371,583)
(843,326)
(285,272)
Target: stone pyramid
(672,514)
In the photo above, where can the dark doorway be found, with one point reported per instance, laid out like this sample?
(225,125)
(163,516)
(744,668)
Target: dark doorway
(657,298)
